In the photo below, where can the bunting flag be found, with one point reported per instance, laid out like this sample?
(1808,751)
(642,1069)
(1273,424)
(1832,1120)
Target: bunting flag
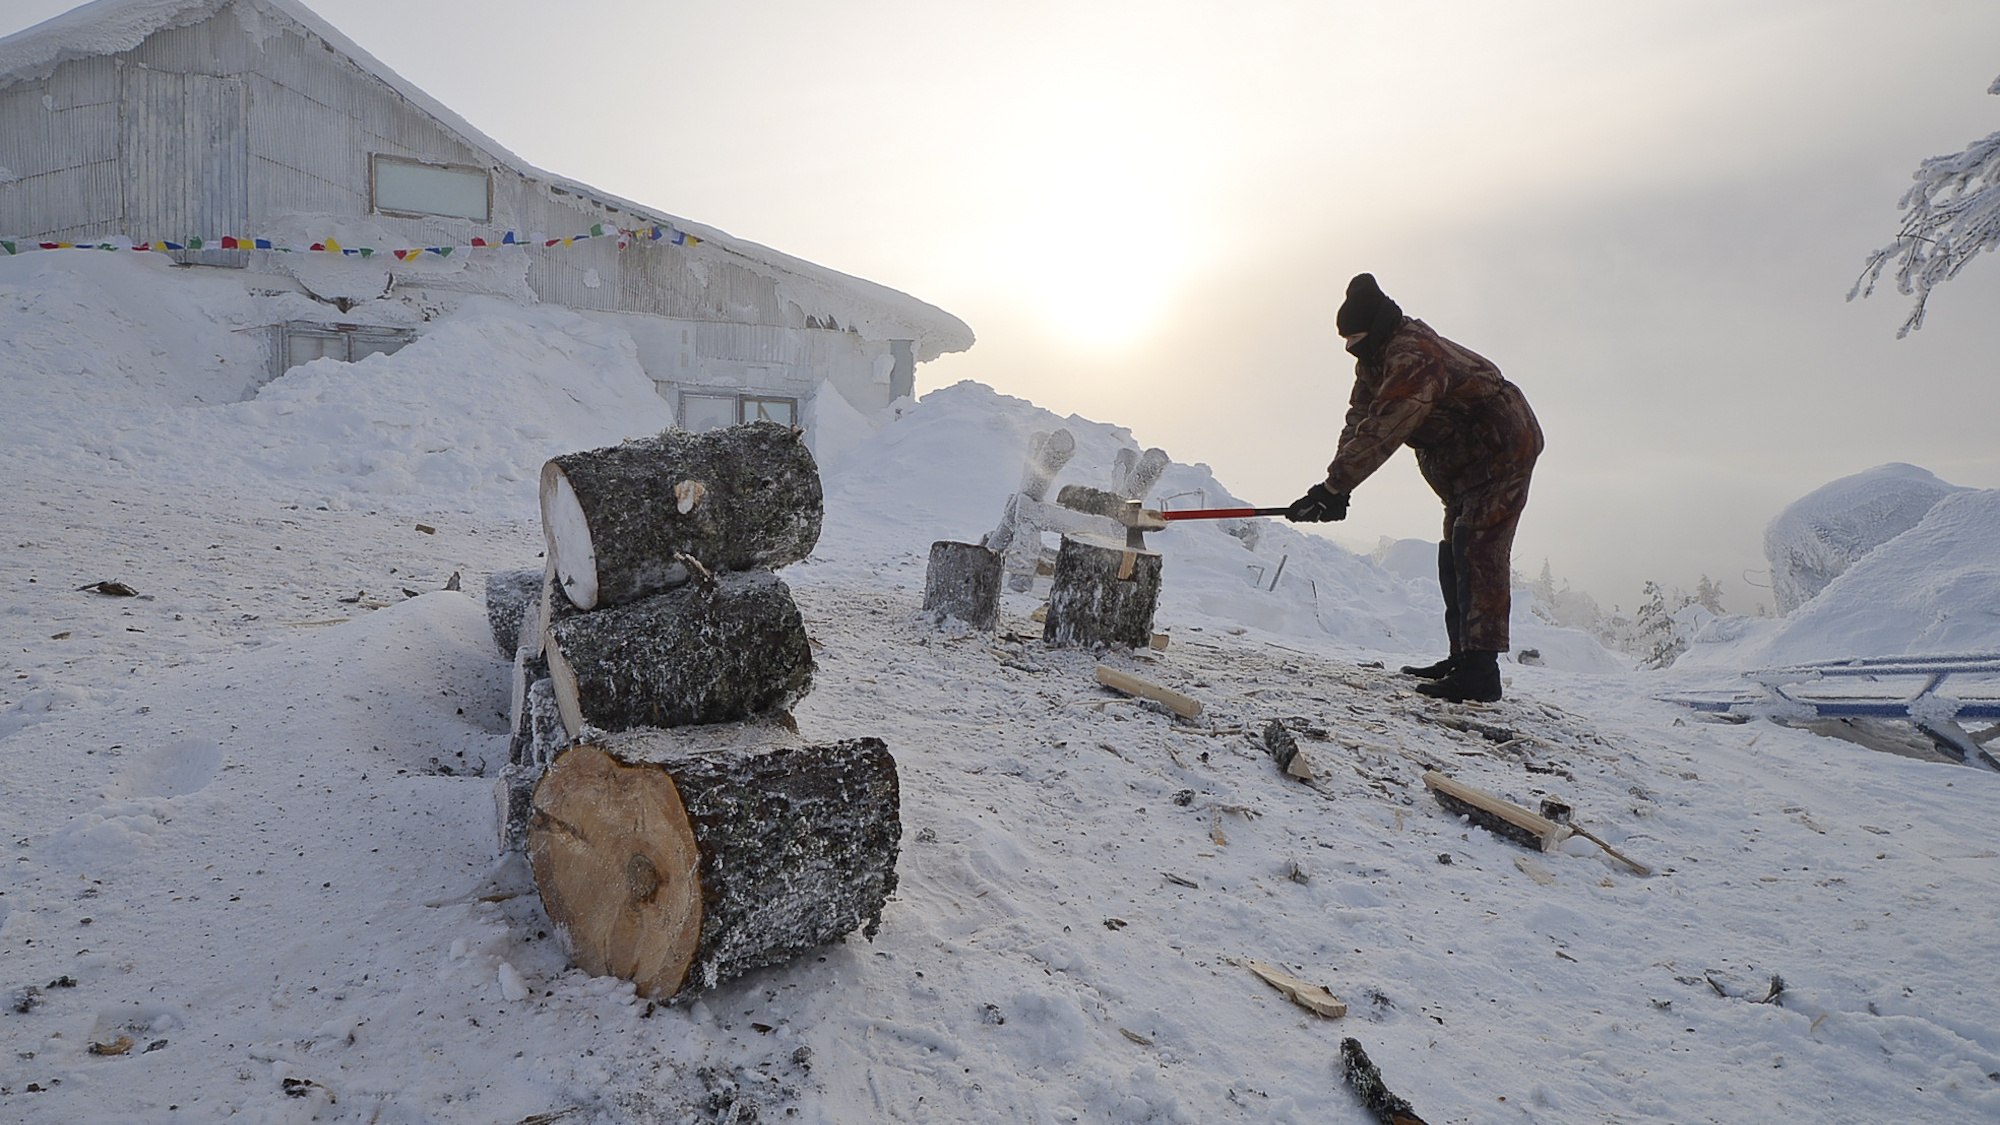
(656,233)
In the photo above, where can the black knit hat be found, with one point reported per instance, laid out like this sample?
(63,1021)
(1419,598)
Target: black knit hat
(1368,309)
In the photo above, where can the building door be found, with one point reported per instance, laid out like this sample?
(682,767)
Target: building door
(183,147)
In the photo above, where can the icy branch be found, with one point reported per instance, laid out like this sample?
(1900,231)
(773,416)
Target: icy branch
(1953,213)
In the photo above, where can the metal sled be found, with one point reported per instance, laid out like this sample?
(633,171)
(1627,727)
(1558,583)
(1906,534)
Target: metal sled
(1863,688)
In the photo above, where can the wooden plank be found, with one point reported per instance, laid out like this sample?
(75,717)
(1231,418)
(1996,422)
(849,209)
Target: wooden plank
(1311,997)
(1174,701)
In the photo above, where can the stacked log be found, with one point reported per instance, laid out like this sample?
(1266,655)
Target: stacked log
(621,522)
(710,652)
(678,863)
(680,834)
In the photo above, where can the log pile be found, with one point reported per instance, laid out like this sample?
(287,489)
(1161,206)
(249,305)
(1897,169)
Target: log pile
(680,832)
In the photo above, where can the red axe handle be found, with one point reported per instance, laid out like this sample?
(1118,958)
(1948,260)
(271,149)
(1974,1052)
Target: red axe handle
(1221,513)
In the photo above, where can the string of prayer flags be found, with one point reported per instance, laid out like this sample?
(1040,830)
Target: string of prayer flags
(655,233)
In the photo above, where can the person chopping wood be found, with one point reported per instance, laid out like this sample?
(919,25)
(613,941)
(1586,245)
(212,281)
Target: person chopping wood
(1476,443)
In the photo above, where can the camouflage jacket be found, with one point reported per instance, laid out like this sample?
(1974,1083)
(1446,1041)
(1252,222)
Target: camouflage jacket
(1469,427)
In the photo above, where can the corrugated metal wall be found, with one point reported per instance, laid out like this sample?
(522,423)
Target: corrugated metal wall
(209,130)
(59,139)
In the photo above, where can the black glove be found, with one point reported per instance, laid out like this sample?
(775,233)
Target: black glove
(1320,504)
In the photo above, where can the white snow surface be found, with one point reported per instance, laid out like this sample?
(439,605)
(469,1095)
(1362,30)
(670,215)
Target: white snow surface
(1820,535)
(246,833)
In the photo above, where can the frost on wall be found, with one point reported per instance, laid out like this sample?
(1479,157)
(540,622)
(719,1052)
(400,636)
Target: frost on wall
(1823,533)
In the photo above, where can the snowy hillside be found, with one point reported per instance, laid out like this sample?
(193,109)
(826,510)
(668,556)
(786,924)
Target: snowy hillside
(253,872)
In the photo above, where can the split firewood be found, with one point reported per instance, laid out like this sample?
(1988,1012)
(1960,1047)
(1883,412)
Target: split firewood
(1311,997)
(115,589)
(1501,817)
(1366,1082)
(680,860)
(1174,701)
(1284,750)
(744,496)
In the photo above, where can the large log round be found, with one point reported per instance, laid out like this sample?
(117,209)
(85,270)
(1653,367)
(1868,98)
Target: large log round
(677,863)
(714,651)
(962,581)
(617,519)
(1103,594)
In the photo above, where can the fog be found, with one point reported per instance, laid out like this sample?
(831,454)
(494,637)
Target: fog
(1648,214)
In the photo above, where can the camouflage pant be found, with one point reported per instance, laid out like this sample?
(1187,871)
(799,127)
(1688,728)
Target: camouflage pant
(1475,561)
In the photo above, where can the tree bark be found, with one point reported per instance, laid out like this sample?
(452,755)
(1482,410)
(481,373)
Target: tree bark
(1104,593)
(716,651)
(511,596)
(538,741)
(679,863)
(962,581)
(618,519)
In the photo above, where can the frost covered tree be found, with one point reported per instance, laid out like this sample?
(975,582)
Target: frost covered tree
(1953,212)
(1657,638)
(1708,595)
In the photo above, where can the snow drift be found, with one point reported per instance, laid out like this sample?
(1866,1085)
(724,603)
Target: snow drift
(1822,533)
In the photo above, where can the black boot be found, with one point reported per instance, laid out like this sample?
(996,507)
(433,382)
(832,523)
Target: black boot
(1476,679)
(1436,671)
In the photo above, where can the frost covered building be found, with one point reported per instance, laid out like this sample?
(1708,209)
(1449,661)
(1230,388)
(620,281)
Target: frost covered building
(250,134)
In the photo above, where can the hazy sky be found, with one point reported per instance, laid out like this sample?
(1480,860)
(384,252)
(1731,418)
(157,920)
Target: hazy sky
(1647,213)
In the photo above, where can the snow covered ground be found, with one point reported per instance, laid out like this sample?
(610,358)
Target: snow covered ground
(251,870)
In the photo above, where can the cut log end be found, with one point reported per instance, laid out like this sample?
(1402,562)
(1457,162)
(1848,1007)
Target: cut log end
(567,531)
(681,861)
(594,814)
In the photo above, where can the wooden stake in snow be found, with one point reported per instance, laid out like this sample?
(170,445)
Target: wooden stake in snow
(735,498)
(1182,705)
(700,654)
(1311,997)
(680,860)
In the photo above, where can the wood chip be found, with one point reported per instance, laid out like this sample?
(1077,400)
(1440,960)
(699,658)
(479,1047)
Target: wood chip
(1135,1037)
(1534,870)
(1182,705)
(1311,997)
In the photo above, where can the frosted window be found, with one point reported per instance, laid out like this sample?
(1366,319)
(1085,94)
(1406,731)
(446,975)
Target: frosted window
(781,410)
(707,412)
(427,189)
(302,347)
(361,345)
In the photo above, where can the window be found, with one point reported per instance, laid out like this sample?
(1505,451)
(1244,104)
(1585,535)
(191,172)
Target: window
(411,187)
(707,412)
(302,342)
(713,411)
(784,411)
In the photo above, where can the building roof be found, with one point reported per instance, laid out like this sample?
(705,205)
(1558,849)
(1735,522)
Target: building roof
(105,27)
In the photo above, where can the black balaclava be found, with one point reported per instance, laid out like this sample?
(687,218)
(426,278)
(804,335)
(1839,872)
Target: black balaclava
(1368,309)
